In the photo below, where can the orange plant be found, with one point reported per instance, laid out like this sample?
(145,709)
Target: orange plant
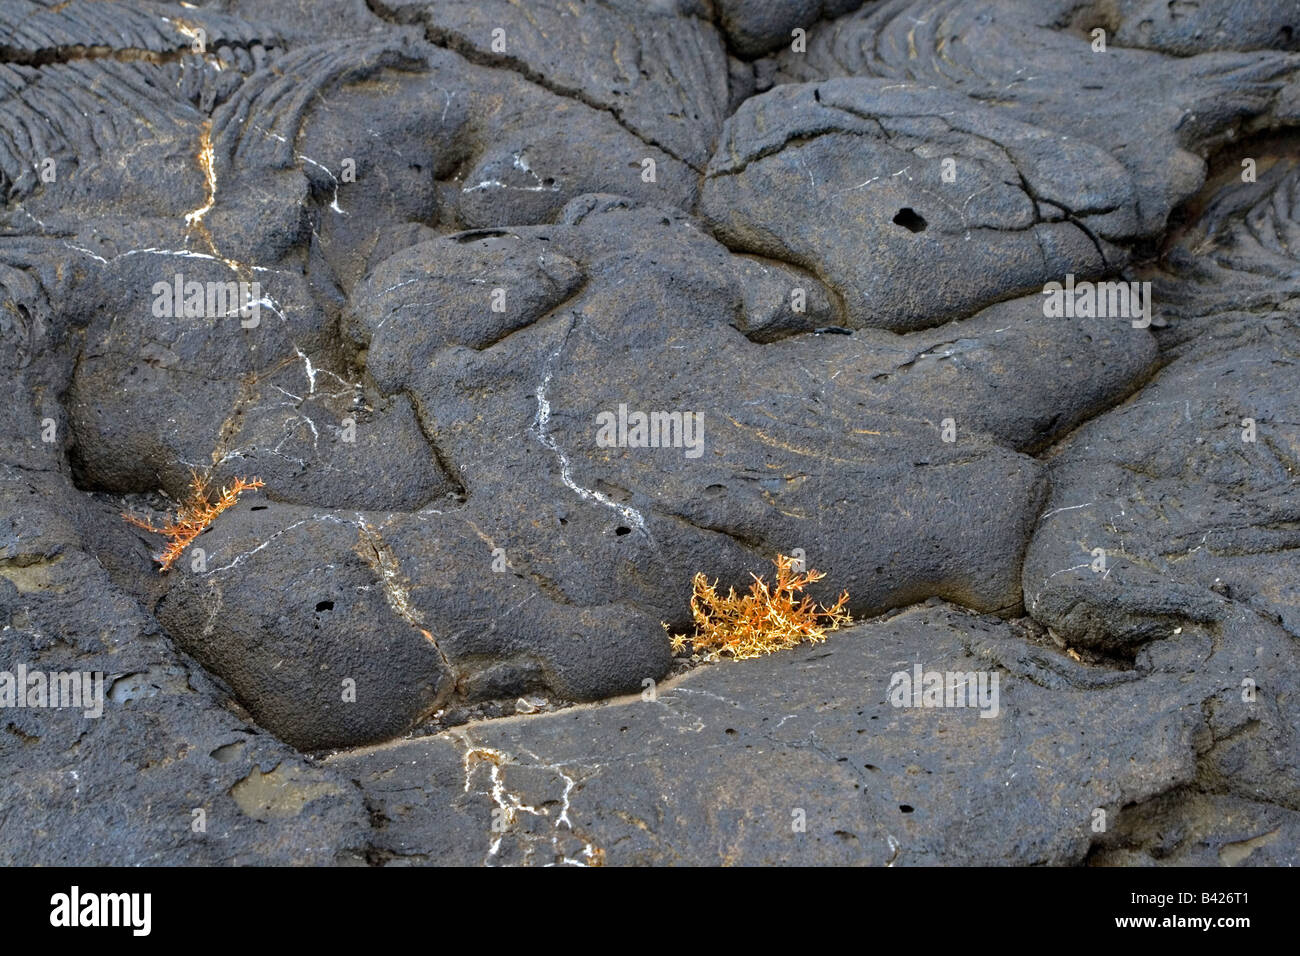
(764,620)
(193,516)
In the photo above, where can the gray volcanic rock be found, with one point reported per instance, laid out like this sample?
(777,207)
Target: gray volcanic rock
(1176,512)
(264,398)
(660,69)
(525,313)
(707,771)
(760,478)
(464,149)
(914,206)
(755,27)
(1185,29)
(334,654)
(168,773)
(38,30)
(1189,829)
(509,402)
(307,21)
(1237,256)
(387,622)
(295,391)
(34,144)
(1188,489)
(1156,115)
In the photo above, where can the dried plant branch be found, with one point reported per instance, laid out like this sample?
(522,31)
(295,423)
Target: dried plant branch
(193,516)
(762,621)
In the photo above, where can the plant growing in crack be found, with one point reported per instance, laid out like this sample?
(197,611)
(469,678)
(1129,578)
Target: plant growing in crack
(764,620)
(193,516)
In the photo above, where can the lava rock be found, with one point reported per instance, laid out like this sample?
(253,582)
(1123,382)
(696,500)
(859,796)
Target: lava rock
(820,765)
(755,27)
(914,205)
(483,245)
(660,69)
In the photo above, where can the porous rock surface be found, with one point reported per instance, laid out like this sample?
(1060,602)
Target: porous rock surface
(822,228)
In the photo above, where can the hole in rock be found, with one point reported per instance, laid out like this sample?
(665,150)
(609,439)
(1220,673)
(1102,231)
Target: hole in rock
(325,606)
(474,235)
(622,530)
(258,508)
(909,220)
(228,752)
(904,808)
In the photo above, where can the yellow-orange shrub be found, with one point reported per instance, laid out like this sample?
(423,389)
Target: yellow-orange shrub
(765,619)
(195,513)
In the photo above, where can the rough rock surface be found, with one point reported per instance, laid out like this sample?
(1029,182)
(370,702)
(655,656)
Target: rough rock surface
(172,772)
(435,244)
(754,27)
(1183,28)
(659,68)
(1155,114)
(823,745)
(898,196)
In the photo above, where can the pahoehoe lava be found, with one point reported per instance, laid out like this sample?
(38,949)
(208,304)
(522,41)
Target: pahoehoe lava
(400,258)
